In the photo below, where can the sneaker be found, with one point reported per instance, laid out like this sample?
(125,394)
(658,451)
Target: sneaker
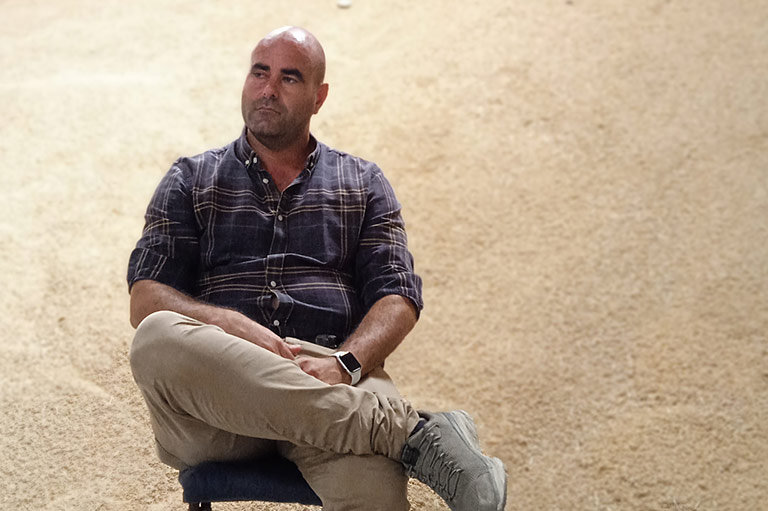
(445,455)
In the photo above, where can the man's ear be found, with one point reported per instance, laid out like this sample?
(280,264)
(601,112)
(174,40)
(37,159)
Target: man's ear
(322,93)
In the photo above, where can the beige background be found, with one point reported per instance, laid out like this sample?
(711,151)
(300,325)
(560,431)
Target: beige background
(585,184)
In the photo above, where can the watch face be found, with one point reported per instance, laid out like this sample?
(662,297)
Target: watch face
(350,362)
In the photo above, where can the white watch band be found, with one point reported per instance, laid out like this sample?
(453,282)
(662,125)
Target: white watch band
(349,363)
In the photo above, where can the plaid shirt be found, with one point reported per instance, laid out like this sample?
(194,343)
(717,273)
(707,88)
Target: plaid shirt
(308,261)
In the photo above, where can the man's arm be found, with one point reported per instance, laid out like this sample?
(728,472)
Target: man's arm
(381,331)
(148,296)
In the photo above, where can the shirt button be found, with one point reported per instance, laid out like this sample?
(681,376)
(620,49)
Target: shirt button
(280,217)
(273,283)
(247,162)
(265,180)
(276,322)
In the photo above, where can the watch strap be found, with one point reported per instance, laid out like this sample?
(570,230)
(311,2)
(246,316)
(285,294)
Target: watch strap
(350,364)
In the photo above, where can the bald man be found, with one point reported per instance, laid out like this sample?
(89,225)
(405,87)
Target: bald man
(270,283)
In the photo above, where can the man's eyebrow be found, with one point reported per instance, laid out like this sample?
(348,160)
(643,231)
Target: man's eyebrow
(293,72)
(290,71)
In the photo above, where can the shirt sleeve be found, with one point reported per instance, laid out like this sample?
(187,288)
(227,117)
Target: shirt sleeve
(384,266)
(168,250)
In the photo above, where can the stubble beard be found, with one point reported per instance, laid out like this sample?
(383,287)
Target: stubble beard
(269,127)
(274,130)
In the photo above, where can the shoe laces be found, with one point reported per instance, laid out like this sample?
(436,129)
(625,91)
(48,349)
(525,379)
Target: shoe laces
(430,464)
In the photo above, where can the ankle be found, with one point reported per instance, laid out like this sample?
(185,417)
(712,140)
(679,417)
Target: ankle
(422,422)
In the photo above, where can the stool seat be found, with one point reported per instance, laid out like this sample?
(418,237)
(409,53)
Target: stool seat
(273,479)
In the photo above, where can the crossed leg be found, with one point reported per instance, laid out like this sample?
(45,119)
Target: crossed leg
(215,397)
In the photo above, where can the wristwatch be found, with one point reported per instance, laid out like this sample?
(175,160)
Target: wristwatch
(350,364)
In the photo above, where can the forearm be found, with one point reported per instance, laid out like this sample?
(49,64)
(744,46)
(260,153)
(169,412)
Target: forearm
(148,296)
(381,331)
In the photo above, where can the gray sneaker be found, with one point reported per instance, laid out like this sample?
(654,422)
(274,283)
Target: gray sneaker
(445,455)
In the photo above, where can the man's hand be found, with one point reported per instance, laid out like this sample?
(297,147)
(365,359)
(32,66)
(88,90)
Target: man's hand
(245,328)
(326,369)
(267,339)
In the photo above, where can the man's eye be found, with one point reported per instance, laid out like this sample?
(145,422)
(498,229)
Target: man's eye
(289,79)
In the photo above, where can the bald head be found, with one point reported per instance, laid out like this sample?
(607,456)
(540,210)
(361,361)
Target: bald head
(302,40)
(284,88)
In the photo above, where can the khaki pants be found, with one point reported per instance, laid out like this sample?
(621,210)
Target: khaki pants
(216,397)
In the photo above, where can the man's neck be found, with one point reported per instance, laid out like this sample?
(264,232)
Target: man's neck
(284,164)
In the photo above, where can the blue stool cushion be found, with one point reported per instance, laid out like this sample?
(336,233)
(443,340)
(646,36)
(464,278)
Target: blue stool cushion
(270,479)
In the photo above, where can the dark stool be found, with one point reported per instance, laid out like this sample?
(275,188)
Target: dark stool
(269,480)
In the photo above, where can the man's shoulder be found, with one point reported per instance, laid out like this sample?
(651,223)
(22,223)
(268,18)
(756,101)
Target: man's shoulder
(338,160)
(207,160)
(219,166)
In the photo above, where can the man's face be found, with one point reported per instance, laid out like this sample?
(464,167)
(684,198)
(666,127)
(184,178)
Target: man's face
(281,92)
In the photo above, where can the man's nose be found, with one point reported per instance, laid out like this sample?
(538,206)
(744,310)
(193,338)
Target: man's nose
(270,89)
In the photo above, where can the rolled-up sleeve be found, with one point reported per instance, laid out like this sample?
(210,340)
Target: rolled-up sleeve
(168,250)
(384,265)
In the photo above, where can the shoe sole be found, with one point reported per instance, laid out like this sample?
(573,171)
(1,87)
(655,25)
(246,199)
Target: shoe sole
(499,480)
(464,424)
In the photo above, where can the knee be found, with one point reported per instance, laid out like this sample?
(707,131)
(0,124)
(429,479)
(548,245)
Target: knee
(152,341)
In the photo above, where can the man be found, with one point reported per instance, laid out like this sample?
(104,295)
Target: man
(251,250)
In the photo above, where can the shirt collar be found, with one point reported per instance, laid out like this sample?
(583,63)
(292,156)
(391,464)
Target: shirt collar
(247,155)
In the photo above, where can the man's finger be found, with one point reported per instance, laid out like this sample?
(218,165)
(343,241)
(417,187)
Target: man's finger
(308,367)
(285,350)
